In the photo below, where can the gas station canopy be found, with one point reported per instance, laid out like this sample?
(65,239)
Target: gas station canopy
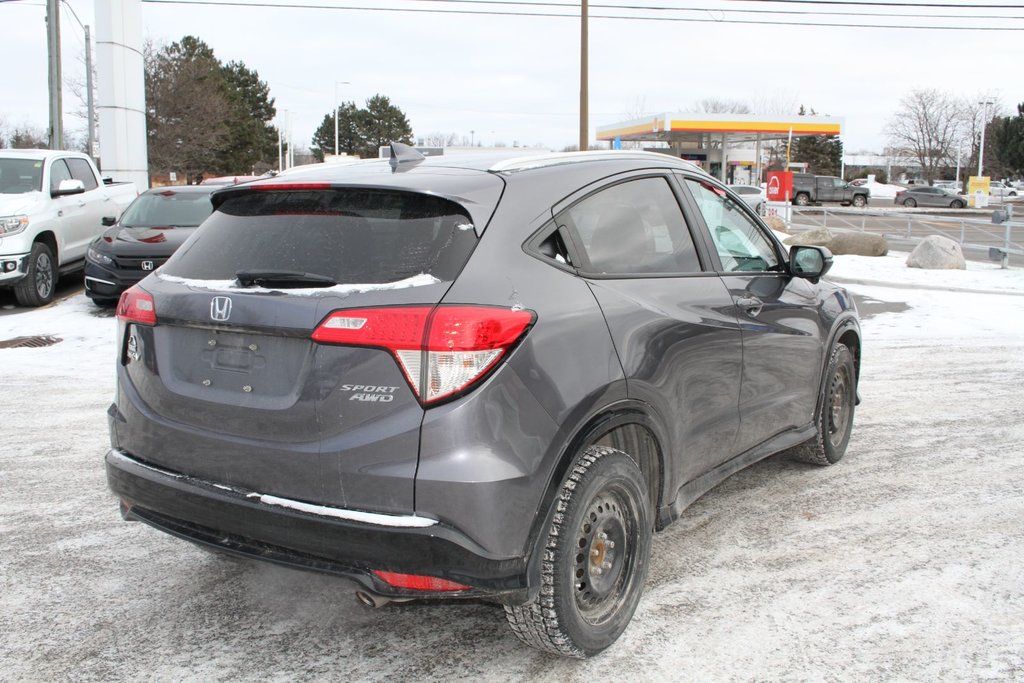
(693,127)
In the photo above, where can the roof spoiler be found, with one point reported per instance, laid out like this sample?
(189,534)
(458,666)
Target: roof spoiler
(402,154)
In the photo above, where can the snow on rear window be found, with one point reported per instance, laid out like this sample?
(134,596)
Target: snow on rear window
(353,236)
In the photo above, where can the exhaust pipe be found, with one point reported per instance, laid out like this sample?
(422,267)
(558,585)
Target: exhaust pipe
(371,600)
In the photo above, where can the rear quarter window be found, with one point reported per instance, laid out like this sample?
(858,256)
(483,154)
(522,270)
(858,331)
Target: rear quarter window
(353,236)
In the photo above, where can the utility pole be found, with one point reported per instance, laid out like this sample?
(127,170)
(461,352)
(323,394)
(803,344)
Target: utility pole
(584,94)
(56,85)
(336,84)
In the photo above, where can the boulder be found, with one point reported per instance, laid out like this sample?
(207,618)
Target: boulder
(937,253)
(776,223)
(859,244)
(839,243)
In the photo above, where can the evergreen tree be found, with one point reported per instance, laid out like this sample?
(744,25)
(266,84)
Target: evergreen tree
(823,154)
(362,132)
(251,142)
(349,139)
(1008,139)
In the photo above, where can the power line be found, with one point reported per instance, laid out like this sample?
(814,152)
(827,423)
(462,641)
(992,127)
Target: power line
(653,8)
(353,8)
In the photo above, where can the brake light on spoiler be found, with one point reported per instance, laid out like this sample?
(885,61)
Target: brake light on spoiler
(442,351)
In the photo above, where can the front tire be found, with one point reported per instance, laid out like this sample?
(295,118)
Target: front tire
(957,204)
(595,558)
(40,281)
(834,420)
(910,202)
(859,201)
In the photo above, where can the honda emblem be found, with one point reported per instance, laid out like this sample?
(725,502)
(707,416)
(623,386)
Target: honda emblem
(147,265)
(220,308)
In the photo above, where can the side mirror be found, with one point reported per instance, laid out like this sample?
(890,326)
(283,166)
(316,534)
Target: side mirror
(108,221)
(809,263)
(67,187)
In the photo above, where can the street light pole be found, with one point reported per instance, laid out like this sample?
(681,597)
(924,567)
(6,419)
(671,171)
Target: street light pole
(336,84)
(91,112)
(984,121)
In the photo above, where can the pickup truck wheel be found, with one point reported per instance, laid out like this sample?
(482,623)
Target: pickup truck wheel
(802,199)
(595,558)
(910,202)
(859,200)
(834,421)
(36,289)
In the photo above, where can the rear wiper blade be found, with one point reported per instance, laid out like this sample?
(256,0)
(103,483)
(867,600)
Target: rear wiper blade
(282,278)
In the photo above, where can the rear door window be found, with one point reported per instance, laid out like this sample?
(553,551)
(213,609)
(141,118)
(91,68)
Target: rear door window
(635,227)
(352,236)
(80,170)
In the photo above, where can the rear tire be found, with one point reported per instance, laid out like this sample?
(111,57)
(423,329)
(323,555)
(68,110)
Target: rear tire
(802,199)
(37,287)
(595,558)
(910,202)
(834,421)
(957,204)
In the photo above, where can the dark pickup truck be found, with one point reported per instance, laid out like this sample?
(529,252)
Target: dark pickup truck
(811,189)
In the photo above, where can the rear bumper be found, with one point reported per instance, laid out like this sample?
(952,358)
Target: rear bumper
(329,540)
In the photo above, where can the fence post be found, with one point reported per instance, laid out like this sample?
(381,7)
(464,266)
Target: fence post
(909,219)
(962,231)
(863,221)
(824,217)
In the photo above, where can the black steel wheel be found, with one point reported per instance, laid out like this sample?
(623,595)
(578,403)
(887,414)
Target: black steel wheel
(37,287)
(595,558)
(834,421)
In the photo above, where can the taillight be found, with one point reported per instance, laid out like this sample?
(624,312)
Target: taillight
(442,350)
(136,306)
(418,583)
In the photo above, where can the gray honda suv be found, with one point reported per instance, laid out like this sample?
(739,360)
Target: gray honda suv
(470,377)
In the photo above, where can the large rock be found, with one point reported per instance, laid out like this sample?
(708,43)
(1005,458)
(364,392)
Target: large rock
(855,243)
(937,253)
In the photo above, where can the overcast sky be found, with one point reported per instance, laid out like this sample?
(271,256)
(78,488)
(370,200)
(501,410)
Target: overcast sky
(515,80)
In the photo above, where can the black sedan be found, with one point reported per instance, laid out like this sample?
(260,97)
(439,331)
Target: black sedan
(923,195)
(149,231)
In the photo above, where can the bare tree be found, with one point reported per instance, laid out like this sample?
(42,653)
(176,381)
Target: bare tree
(441,140)
(713,105)
(926,129)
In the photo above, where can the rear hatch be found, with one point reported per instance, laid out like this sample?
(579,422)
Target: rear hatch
(229,385)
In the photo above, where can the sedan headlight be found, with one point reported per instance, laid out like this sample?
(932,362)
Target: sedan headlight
(12,225)
(97,257)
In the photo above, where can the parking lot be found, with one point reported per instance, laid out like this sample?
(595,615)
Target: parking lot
(901,562)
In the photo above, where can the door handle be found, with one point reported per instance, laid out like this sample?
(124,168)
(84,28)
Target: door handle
(751,305)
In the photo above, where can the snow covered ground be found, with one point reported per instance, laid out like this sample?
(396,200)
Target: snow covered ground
(902,562)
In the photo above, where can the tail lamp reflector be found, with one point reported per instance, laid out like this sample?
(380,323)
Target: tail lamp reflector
(136,306)
(442,350)
(418,583)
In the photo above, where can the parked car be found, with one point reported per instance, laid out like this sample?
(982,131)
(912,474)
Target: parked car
(923,195)
(954,186)
(474,378)
(811,189)
(230,179)
(52,204)
(998,188)
(752,196)
(151,229)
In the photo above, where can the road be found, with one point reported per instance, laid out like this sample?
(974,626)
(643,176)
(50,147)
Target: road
(902,562)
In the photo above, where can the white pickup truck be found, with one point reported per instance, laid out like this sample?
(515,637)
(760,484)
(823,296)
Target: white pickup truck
(52,204)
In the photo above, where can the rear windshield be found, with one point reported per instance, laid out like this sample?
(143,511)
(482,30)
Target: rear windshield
(351,236)
(168,208)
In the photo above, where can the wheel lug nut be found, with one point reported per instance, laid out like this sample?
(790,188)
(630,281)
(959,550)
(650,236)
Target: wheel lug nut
(603,536)
(598,571)
(595,552)
(606,565)
(610,544)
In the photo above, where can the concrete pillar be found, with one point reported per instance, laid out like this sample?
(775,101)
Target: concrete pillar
(122,92)
(723,173)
